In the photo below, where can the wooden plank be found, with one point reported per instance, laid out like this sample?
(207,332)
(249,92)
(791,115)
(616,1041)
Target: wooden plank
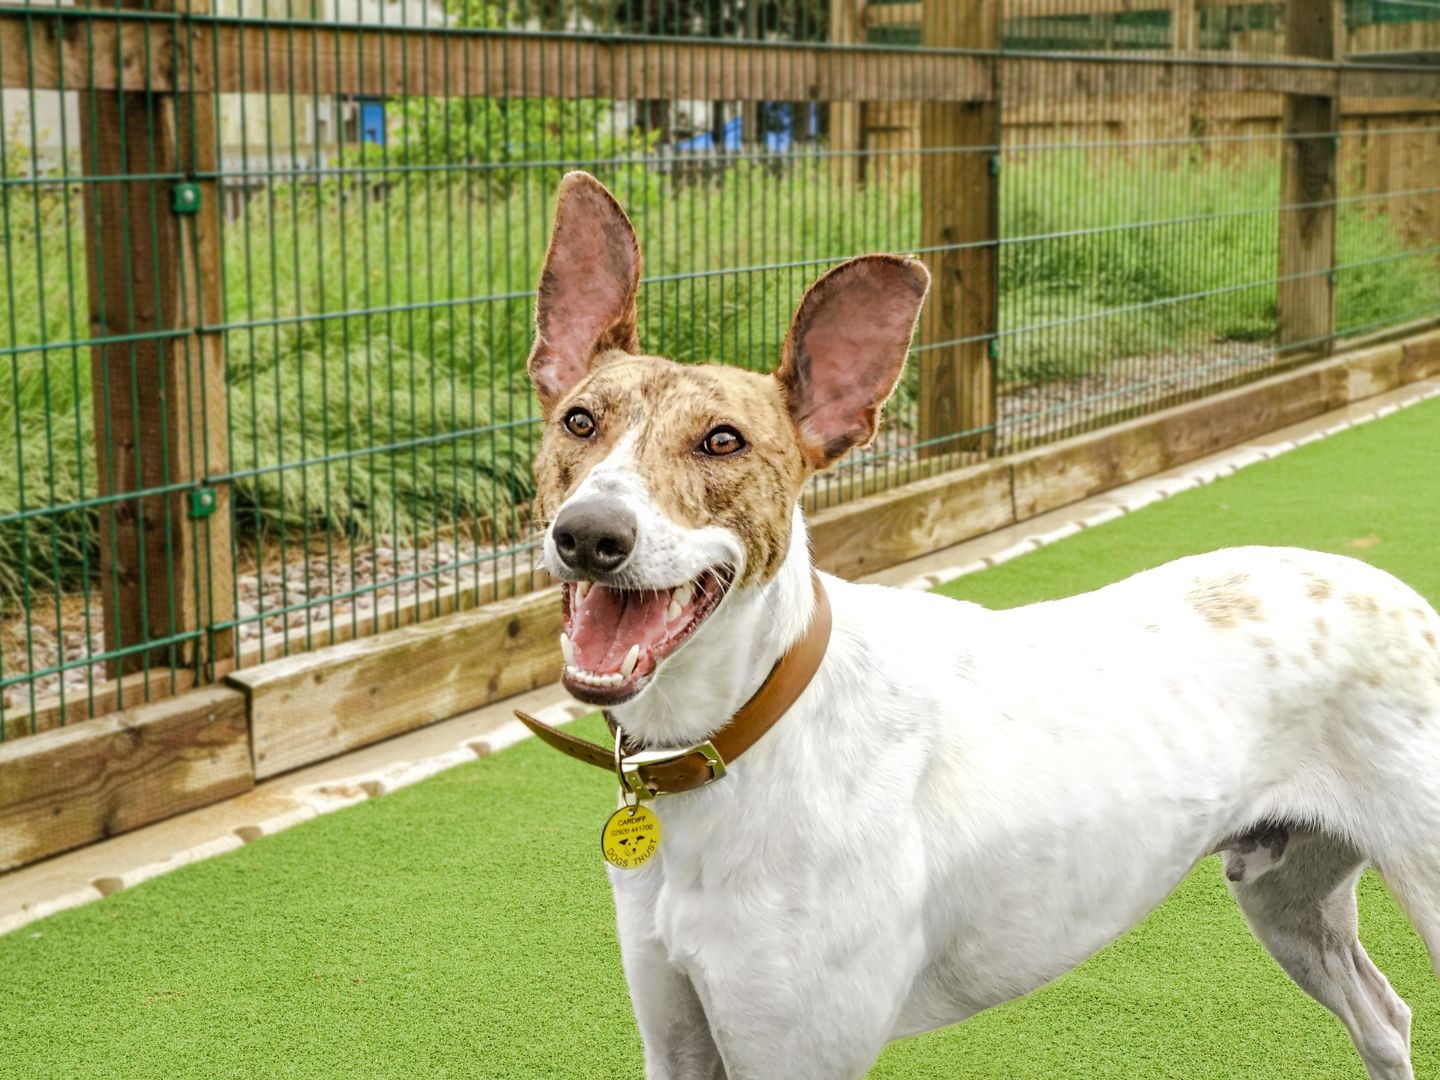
(1372,371)
(881,530)
(76,51)
(846,133)
(1086,465)
(1184,26)
(1048,79)
(326,60)
(909,14)
(1067,472)
(112,695)
(142,688)
(1421,358)
(1305,301)
(80,784)
(1152,103)
(959,233)
(51,48)
(202,418)
(63,48)
(159,397)
(324,703)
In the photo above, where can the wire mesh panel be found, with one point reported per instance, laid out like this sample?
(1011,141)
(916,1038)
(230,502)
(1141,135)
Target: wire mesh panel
(269,265)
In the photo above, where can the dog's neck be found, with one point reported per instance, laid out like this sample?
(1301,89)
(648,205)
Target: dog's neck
(697,692)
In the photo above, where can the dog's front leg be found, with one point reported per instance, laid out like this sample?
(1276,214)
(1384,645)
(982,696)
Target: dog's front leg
(673,1026)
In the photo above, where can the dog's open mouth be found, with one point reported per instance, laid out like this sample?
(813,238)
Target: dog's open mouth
(615,638)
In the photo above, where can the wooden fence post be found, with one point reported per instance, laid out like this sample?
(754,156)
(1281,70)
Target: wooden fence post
(152,247)
(1306,291)
(845,134)
(1184,26)
(959,230)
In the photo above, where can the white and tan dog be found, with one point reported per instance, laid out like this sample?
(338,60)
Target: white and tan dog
(963,804)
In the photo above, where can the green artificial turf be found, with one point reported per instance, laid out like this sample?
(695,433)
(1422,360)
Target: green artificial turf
(462,928)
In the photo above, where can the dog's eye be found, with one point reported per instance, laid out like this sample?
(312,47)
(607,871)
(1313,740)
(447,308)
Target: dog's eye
(722,441)
(580,423)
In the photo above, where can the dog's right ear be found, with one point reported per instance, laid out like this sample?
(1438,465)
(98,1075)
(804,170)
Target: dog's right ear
(586,300)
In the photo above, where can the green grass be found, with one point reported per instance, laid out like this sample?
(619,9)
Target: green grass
(426,359)
(463,927)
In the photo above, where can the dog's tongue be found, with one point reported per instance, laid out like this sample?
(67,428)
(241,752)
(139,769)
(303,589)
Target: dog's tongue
(608,621)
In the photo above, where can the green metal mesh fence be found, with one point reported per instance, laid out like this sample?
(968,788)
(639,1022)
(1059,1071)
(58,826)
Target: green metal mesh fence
(268,266)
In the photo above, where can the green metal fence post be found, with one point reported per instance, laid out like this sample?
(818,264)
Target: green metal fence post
(152,256)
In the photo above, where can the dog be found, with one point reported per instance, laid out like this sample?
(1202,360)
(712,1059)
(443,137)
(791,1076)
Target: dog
(962,804)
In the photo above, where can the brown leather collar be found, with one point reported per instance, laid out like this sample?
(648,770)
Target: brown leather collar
(670,772)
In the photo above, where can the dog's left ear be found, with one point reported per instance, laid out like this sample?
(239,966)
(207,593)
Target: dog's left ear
(585,304)
(845,351)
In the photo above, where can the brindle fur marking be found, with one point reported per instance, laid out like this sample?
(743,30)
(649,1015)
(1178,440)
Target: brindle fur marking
(671,407)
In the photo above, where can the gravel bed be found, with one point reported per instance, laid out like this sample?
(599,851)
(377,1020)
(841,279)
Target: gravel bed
(1036,409)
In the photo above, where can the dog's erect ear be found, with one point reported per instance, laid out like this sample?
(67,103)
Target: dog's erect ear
(846,349)
(586,301)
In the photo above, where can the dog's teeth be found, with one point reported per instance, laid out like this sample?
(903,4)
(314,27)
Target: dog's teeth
(594,678)
(567,650)
(674,611)
(682,594)
(583,589)
(631,659)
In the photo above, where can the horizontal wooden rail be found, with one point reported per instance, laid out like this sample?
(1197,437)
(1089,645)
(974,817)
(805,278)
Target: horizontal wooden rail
(908,14)
(62,49)
(59,49)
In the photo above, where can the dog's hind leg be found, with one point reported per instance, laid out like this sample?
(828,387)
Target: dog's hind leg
(1303,912)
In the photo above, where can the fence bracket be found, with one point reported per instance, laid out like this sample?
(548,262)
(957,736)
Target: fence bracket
(203,502)
(185,199)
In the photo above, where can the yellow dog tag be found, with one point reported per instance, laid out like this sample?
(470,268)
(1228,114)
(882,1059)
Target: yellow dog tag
(630,837)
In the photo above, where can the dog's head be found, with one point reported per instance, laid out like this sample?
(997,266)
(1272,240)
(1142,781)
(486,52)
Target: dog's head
(667,487)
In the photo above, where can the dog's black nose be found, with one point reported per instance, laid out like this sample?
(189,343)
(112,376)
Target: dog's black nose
(594,538)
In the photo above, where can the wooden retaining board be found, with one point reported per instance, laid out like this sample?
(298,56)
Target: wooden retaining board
(75,785)
(1066,472)
(310,707)
(878,531)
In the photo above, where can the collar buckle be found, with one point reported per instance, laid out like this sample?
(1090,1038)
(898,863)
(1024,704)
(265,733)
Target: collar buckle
(629,766)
